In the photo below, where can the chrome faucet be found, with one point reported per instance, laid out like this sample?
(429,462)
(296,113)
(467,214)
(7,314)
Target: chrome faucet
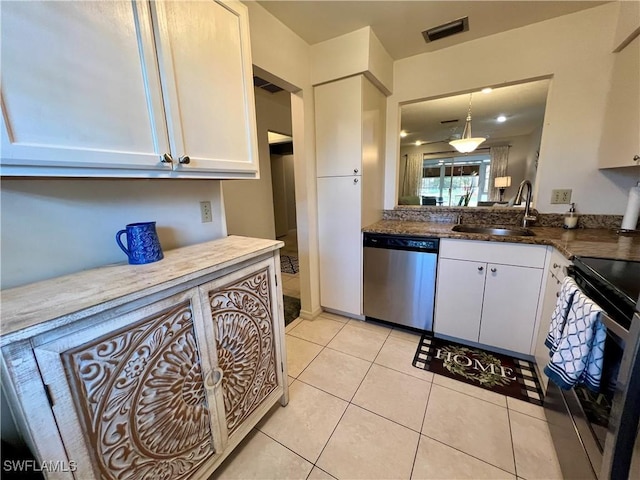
(527,216)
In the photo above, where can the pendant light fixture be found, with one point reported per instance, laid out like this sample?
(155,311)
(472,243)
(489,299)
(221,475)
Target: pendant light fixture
(466,143)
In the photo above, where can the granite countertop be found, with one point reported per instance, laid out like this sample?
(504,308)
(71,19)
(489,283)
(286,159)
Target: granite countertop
(590,242)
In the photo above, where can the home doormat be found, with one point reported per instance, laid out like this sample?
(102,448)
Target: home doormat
(291,309)
(492,371)
(289,264)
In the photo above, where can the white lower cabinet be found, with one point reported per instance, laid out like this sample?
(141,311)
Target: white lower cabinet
(340,243)
(483,297)
(510,306)
(162,387)
(555,275)
(459,295)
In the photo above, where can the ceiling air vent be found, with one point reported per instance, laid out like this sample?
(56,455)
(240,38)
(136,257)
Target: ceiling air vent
(269,87)
(446,29)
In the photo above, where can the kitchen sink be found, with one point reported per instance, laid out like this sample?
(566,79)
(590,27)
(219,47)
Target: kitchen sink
(493,230)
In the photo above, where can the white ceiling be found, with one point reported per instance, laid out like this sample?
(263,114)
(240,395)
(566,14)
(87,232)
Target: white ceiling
(522,104)
(398,24)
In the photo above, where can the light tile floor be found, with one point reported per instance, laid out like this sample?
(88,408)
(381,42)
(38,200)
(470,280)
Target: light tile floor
(359,409)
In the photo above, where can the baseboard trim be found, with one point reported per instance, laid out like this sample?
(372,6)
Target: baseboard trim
(307,315)
(344,314)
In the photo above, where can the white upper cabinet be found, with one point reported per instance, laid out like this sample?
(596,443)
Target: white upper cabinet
(86,93)
(80,88)
(620,141)
(207,81)
(339,121)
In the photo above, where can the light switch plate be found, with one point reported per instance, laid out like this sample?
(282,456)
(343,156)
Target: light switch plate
(561,196)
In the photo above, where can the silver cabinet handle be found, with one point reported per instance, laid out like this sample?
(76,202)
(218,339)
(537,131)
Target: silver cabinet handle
(166,158)
(355,180)
(355,171)
(184,160)
(636,158)
(480,269)
(494,270)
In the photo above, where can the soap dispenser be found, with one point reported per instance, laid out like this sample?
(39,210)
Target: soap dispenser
(571,218)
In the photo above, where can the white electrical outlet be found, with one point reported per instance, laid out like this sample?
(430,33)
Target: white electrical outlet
(561,196)
(205,212)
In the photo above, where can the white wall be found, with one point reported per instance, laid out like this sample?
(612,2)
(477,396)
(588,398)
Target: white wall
(249,203)
(51,227)
(289,181)
(276,50)
(350,54)
(576,51)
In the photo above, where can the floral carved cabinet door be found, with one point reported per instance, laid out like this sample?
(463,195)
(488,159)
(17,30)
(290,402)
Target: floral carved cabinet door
(129,393)
(243,317)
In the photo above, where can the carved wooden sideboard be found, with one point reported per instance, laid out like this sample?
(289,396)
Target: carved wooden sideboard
(153,371)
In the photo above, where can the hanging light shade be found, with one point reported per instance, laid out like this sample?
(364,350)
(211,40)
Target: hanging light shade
(467,143)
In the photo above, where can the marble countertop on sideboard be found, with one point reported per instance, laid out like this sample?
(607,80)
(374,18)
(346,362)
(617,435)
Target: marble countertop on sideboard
(590,242)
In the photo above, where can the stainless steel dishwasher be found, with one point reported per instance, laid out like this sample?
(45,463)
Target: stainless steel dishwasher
(400,279)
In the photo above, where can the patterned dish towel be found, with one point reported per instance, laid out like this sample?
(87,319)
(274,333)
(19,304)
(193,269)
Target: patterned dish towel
(559,316)
(578,352)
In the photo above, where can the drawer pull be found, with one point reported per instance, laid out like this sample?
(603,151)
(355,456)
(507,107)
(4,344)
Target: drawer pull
(166,158)
(355,171)
(184,160)
(555,265)
(494,270)
(480,269)
(355,180)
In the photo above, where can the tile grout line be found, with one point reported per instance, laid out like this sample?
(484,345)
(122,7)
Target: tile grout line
(426,407)
(467,453)
(339,420)
(513,447)
(283,445)
(420,434)
(311,341)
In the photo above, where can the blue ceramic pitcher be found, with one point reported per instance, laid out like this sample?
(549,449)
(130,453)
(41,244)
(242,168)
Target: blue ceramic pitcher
(142,240)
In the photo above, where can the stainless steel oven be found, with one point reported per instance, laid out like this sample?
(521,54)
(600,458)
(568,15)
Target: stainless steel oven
(594,432)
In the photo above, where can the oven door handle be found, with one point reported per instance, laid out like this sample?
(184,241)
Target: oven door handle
(613,327)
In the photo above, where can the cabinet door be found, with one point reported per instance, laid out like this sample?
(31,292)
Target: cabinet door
(80,90)
(340,243)
(206,71)
(129,393)
(551,293)
(621,128)
(339,127)
(510,306)
(459,293)
(245,325)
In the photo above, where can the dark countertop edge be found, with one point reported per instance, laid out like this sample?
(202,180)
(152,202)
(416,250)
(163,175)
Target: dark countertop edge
(535,240)
(539,239)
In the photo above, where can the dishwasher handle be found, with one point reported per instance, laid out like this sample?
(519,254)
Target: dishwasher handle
(401,242)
